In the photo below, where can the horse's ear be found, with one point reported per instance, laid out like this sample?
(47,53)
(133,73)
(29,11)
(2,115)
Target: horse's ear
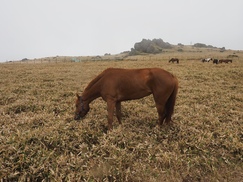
(77,95)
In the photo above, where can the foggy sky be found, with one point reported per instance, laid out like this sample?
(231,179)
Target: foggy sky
(43,28)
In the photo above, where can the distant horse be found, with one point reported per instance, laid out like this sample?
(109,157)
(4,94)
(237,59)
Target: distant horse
(225,61)
(174,60)
(115,85)
(215,61)
(207,60)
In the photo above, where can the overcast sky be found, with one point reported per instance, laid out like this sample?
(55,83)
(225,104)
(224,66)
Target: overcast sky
(43,28)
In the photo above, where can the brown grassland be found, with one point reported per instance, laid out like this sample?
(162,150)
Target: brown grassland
(40,141)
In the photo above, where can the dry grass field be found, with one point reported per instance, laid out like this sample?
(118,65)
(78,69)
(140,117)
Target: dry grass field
(40,141)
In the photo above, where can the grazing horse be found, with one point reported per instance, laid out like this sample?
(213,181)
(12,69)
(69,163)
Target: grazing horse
(225,61)
(174,60)
(215,61)
(115,85)
(206,60)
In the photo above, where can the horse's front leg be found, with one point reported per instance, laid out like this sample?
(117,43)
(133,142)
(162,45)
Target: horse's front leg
(110,108)
(118,111)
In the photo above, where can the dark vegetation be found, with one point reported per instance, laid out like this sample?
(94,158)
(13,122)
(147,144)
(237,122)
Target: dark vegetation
(154,46)
(201,45)
(157,46)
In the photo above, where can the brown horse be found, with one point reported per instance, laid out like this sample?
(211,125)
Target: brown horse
(174,60)
(115,85)
(225,61)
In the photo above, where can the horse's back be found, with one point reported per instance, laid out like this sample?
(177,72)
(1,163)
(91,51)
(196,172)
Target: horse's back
(126,84)
(136,75)
(125,78)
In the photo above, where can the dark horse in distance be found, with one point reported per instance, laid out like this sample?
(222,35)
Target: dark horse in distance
(215,61)
(115,85)
(174,60)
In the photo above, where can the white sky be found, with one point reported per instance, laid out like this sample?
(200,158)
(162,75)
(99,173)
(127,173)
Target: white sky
(42,28)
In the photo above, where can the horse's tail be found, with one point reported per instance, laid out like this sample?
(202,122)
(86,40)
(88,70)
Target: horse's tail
(170,104)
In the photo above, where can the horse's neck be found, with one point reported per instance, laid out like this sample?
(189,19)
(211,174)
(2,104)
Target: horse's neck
(91,93)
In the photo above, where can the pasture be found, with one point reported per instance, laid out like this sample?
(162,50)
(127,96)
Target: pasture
(40,140)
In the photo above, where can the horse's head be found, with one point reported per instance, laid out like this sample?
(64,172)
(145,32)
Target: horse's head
(81,108)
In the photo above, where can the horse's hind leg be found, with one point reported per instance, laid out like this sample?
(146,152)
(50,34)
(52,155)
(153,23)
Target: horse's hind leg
(161,112)
(160,98)
(118,111)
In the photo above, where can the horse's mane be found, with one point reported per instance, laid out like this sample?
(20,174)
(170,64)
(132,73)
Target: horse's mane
(95,80)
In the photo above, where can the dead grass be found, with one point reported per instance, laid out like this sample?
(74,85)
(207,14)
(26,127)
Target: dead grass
(40,141)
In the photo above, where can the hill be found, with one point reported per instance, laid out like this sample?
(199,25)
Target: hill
(146,47)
